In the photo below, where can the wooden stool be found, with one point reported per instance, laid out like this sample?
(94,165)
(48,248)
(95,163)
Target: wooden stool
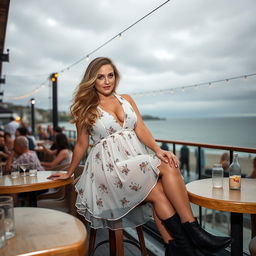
(116,242)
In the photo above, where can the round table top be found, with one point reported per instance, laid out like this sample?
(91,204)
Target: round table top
(9,185)
(40,231)
(202,193)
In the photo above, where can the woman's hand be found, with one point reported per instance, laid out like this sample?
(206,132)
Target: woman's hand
(58,176)
(168,157)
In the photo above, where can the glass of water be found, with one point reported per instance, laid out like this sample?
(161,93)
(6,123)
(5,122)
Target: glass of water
(2,229)
(6,203)
(217,176)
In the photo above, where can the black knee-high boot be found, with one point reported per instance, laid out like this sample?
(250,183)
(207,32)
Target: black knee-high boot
(180,245)
(204,240)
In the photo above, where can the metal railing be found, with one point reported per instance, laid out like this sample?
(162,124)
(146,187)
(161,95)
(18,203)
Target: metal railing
(199,146)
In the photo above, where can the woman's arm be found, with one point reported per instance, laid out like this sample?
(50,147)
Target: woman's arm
(49,151)
(81,147)
(147,139)
(9,162)
(63,154)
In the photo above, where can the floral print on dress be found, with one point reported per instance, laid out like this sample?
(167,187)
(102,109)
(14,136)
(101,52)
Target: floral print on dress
(134,186)
(127,153)
(103,188)
(98,158)
(118,182)
(124,201)
(144,166)
(110,167)
(125,169)
(92,177)
(113,183)
(99,201)
(111,130)
(81,192)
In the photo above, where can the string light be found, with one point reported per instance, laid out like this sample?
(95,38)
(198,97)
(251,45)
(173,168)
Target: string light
(195,86)
(118,35)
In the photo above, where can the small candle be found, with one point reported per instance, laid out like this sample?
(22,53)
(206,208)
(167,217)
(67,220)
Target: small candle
(235,182)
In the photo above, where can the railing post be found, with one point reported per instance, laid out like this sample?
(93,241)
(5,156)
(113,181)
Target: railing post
(199,162)
(231,155)
(174,148)
(199,177)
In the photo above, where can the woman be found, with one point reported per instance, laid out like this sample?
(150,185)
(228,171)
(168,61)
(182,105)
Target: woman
(62,152)
(120,176)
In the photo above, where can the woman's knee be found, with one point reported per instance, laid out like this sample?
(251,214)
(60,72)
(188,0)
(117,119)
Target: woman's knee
(156,194)
(166,169)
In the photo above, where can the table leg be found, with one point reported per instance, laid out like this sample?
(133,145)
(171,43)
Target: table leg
(237,234)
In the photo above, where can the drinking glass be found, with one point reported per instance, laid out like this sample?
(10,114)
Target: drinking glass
(1,171)
(2,229)
(15,171)
(33,172)
(217,176)
(24,167)
(6,203)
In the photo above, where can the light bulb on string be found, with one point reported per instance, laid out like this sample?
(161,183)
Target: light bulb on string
(183,89)
(87,57)
(210,85)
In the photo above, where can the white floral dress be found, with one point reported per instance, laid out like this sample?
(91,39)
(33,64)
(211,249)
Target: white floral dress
(119,174)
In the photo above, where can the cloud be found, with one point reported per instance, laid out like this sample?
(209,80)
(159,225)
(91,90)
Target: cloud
(182,43)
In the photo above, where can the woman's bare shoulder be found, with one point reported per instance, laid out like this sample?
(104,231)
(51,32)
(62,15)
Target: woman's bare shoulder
(127,97)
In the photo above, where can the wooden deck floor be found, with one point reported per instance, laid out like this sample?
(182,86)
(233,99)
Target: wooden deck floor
(131,250)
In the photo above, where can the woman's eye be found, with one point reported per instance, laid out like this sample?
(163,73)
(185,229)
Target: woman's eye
(111,75)
(100,77)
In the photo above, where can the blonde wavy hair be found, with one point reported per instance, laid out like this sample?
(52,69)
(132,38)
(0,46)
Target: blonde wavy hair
(86,100)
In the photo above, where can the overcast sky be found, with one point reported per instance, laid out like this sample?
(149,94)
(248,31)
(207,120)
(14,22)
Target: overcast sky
(181,44)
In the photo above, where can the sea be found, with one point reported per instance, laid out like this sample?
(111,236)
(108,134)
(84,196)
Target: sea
(230,131)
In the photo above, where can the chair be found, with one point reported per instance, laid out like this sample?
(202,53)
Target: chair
(67,204)
(252,244)
(63,198)
(116,242)
(55,193)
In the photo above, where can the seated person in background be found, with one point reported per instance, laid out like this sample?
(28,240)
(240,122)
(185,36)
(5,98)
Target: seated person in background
(57,130)
(224,161)
(22,155)
(23,131)
(62,152)
(253,174)
(164,146)
(184,159)
(4,152)
(50,132)
(8,141)
(41,134)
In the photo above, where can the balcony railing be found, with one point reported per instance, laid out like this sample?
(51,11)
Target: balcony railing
(199,173)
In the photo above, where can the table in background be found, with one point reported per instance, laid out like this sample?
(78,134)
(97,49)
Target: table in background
(9,185)
(41,231)
(237,202)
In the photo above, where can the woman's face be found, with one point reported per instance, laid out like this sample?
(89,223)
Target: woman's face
(105,82)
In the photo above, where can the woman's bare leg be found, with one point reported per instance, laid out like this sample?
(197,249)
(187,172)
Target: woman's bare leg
(160,202)
(162,230)
(162,209)
(175,190)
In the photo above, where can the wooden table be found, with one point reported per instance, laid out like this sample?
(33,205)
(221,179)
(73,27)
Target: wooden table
(42,231)
(237,202)
(10,185)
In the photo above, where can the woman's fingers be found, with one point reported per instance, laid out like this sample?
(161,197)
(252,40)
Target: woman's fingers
(173,160)
(53,176)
